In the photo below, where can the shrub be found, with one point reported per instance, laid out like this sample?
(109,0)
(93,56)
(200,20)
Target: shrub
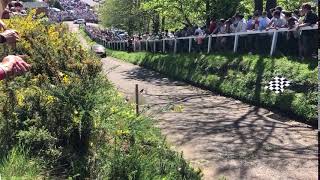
(66,114)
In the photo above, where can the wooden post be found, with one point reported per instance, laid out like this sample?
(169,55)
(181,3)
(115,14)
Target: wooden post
(137,99)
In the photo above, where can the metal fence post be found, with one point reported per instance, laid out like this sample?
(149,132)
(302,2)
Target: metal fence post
(209,44)
(236,40)
(163,45)
(134,46)
(274,43)
(154,46)
(175,46)
(139,45)
(147,45)
(190,44)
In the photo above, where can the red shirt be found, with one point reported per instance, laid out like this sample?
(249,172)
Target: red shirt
(2,74)
(212,26)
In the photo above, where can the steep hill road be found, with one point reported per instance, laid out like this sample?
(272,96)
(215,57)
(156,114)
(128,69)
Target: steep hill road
(220,135)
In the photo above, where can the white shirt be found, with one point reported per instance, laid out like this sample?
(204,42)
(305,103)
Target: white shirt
(199,31)
(242,26)
(278,22)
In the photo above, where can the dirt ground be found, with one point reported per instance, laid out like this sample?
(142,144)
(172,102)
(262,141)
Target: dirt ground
(221,136)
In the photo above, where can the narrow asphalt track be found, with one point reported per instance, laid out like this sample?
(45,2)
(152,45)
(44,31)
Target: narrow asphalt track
(222,136)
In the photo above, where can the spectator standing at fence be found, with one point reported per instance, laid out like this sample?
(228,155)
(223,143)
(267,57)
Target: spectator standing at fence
(198,31)
(287,16)
(296,14)
(219,25)
(241,27)
(309,38)
(221,40)
(212,25)
(251,22)
(292,38)
(276,22)
(279,8)
(242,24)
(263,21)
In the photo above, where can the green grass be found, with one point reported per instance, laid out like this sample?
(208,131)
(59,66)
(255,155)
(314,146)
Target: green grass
(82,32)
(17,165)
(242,77)
(129,147)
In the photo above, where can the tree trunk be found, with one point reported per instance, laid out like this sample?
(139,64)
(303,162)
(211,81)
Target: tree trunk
(258,5)
(163,24)
(156,23)
(269,5)
(208,12)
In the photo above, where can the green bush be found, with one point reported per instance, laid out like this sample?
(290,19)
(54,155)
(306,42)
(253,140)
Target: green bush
(67,115)
(241,76)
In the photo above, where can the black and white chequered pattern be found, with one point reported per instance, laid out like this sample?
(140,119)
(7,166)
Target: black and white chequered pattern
(278,84)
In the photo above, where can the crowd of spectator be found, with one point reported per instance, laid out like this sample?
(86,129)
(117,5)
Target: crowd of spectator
(298,42)
(14,8)
(106,34)
(73,9)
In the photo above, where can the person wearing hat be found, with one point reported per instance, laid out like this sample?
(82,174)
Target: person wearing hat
(11,65)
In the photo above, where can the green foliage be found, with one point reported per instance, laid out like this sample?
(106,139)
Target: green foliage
(123,14)
(241,76)
(17,165)
(140,16)
(67,115)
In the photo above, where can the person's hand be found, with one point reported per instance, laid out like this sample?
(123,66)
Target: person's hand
(11,36)
(15,65)
(2,25)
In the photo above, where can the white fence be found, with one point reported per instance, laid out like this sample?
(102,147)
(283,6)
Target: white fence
(189,43)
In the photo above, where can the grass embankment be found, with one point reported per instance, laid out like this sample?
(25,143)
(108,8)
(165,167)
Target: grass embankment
(242,77)
(69,119)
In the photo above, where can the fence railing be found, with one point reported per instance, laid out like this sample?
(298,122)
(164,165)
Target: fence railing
(288,42)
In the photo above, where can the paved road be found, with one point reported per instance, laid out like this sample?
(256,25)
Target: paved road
(220,135)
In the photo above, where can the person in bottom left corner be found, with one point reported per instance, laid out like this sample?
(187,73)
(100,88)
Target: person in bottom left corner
(11,65)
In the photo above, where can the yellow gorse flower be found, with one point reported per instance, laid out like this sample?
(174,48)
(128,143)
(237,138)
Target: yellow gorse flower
(50,99)
(66,80)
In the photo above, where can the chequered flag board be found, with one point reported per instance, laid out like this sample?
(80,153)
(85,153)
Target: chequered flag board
(278,84)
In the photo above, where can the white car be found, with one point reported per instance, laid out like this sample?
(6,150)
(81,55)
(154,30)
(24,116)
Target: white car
(79,21)
(99,50)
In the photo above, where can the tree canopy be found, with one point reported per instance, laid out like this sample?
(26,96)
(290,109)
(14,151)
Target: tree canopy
(155,15)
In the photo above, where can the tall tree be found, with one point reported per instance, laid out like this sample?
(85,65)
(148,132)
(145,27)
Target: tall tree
(123,14)
(271,4)
(258,5)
